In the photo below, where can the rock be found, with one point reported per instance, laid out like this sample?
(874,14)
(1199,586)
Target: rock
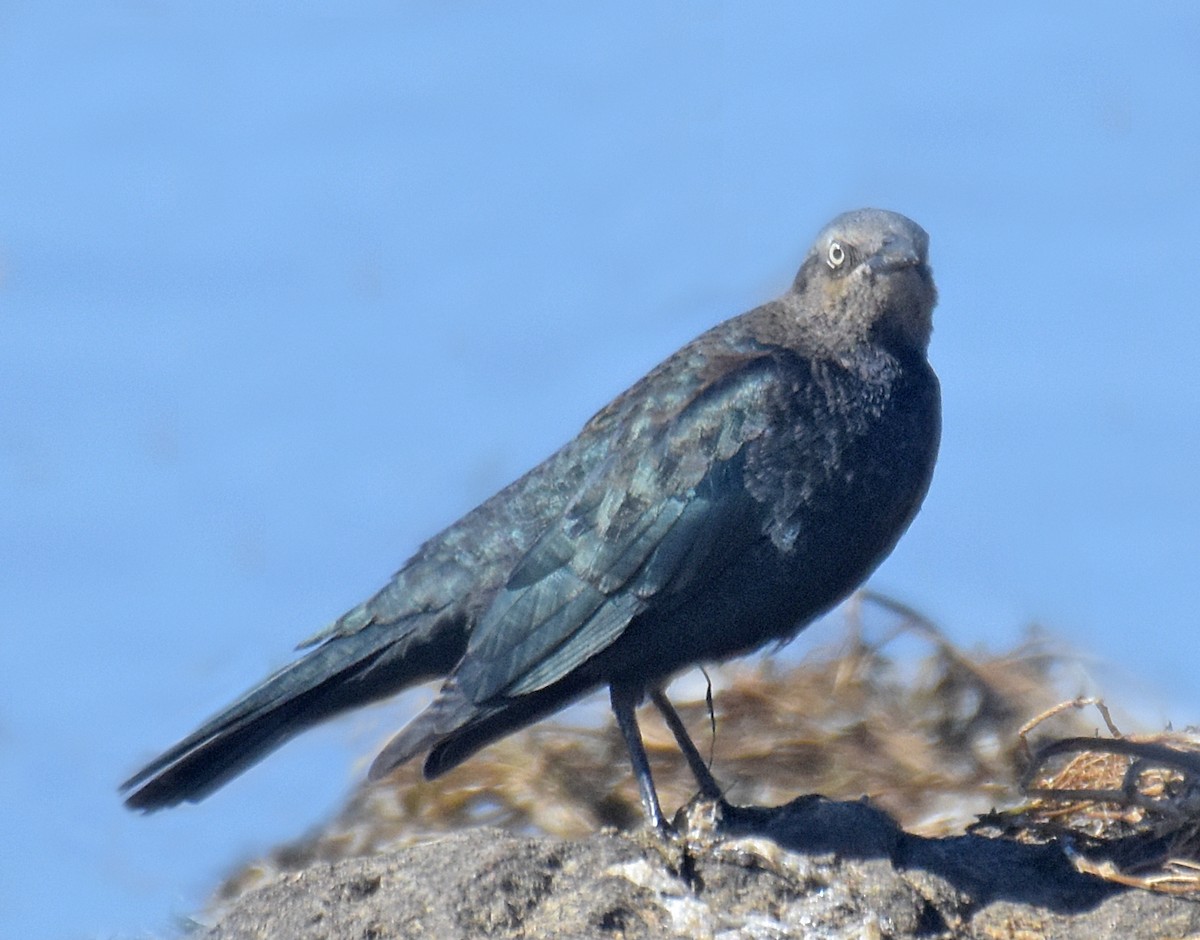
(814,867)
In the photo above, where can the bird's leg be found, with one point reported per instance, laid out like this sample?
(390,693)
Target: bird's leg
(708,784)
(624,700)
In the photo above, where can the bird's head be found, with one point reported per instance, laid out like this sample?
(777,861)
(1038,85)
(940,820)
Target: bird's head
(867,277)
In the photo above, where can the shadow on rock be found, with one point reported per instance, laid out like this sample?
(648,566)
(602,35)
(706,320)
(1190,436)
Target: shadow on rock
(985,869)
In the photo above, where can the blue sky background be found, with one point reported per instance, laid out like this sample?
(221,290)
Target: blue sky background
(284,289)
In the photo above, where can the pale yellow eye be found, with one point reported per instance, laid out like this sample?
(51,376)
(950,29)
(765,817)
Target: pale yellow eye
(836,255)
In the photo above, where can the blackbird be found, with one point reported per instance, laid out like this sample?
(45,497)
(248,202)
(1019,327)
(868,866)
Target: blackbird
(743,487)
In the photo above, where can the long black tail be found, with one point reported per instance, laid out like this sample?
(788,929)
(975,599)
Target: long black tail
(343,673)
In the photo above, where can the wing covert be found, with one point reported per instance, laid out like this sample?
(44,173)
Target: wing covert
(647,518)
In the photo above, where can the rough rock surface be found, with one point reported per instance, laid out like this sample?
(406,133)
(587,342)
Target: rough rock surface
(812,868)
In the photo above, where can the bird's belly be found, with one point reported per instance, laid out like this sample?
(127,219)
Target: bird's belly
(762,593)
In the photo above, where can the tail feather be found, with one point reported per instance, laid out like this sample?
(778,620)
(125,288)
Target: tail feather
(343,673)
(452,728)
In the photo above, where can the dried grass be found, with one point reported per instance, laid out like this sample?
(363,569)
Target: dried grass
(1125,807)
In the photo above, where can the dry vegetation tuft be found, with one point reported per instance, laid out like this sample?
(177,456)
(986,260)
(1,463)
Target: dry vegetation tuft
(1124,807)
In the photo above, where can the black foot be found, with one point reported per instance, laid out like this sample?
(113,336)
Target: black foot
(624,701)
(708,785)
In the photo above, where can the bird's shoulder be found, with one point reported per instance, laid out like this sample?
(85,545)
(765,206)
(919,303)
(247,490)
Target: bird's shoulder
(735,357)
